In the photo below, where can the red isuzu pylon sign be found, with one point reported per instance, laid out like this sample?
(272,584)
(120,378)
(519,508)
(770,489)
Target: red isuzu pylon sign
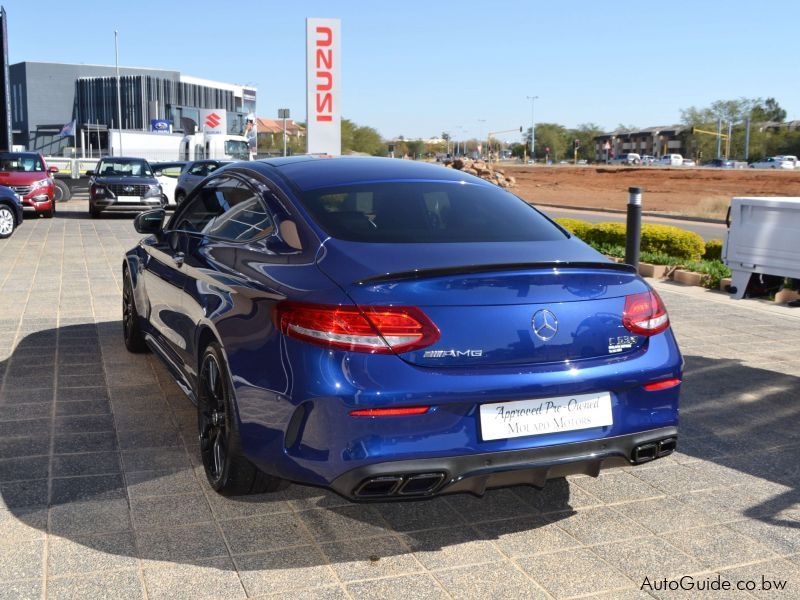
(323,84)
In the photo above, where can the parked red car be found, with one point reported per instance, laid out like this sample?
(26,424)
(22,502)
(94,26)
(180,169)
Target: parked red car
(27,174)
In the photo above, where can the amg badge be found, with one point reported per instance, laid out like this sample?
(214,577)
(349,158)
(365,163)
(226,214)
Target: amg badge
(452,353)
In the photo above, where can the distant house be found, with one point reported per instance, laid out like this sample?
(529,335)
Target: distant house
(270,131)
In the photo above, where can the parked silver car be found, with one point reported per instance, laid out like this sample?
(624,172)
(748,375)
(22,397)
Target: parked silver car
(193,174)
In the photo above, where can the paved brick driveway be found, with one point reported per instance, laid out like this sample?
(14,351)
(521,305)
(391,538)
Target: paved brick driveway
(101,495)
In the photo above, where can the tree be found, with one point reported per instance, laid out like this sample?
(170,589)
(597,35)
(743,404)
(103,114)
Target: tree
(586,132)
(359,138)
(549,135)
(769,110)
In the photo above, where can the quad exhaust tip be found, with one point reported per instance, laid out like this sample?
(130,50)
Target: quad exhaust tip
(653,450)
(393,486)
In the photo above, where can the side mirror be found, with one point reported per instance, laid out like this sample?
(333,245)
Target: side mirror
(157,174)
(89,173)
(150,222)
(52,169)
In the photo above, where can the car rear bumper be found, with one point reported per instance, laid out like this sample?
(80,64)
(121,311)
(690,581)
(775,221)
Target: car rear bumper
(475,473)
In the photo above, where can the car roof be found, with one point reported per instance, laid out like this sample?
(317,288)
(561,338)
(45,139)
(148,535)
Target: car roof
(13,153)
(123,158)
(310,172)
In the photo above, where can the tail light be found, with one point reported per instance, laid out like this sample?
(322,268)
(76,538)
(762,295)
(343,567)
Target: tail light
(377,330)
(645,314)
(664,384)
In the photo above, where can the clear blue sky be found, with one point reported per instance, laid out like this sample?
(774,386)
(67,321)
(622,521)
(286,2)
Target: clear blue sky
(417,68)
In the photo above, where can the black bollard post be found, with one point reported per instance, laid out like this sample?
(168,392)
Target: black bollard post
(633,231)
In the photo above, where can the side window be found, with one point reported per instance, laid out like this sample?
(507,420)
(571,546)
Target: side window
(246,217)
(211,167)
(229,209)
(207,205)
(198,169)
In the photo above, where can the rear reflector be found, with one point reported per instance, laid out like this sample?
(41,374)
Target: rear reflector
(645,314)
(375,329)
(390,412)
(661,385)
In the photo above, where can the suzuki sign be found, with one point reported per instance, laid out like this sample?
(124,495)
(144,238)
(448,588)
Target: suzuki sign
(323,79)
(214,120)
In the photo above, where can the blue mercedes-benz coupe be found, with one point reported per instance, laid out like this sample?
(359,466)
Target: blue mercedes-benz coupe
(391,329)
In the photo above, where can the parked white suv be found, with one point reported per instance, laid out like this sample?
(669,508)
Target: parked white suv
(773,162)
(671,160)
(631,158)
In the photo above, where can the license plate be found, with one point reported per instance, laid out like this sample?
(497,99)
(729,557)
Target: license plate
(546,415)
(129,199)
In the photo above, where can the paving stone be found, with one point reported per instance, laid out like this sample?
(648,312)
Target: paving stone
(600,525)
(263,533)
(94,487)
(142,484)
(197,541)
(617,486)
(212,578)
(85,442)
(370,558)
(557,495)
(287,570)
(650,557)
(28,589)
(343,522)
(90,463)
(719,546)
(96,586)
(527,536)
(154,459)
(495,504)
(20,494)
(410,516)
(400,588)
(85,554)
(79,518)
(20,559)
(573,572)
(169,511)
(448,548)
(494,580)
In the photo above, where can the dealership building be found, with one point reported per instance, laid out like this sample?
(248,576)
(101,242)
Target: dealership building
(46,97)
(655,141)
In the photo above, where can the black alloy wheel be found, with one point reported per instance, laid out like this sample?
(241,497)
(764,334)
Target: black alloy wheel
(227,470)
(134,340)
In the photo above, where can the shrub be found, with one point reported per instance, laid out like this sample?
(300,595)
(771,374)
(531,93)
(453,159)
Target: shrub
(575,226)
(713,270)
(610,250)
(713,250)
(674,241)
(658,258)
(612,234)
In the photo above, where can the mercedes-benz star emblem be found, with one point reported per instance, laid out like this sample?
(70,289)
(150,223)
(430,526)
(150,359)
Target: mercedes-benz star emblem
(545,325)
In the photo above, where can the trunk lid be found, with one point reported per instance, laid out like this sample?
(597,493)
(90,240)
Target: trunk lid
(530,303)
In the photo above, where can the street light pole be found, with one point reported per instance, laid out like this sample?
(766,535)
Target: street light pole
(119,93)
(533,126)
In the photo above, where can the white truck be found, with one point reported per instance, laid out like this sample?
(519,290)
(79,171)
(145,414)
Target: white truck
(159,147)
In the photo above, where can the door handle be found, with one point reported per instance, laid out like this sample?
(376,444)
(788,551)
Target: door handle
(179,258)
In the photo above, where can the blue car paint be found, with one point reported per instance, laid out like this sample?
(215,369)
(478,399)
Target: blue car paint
(228,291)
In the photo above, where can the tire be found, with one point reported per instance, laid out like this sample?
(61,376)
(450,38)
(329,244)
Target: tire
(62,192)
(48,214)
(94,213)
(131,328)
(180,196)
(227,470)
(7,222)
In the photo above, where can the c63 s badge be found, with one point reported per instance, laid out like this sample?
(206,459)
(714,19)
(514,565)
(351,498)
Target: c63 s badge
(452,353)
(620,343)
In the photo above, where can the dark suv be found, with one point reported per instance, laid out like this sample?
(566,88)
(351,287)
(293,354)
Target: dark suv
(123,184)
(10,211)
(27,174)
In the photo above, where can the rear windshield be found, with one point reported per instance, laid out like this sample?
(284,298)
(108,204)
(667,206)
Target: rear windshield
(426,212)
